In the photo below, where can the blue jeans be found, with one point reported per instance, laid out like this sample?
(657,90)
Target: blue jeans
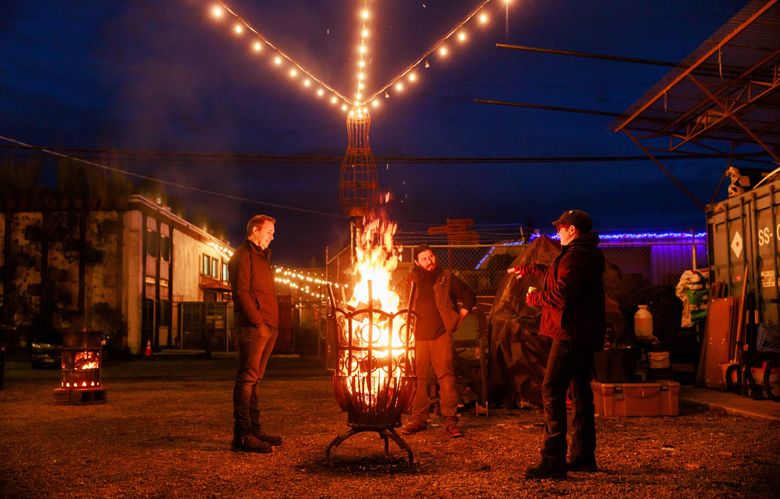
(569,364)
(254,349)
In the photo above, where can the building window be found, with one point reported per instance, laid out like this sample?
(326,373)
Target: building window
(152,242)
(214,268)
(165,248)
(206,267)
(225,274)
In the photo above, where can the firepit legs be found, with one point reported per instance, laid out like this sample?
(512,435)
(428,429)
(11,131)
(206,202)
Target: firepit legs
(384,433)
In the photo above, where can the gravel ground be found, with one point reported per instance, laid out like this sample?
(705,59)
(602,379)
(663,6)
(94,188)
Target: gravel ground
(171,438)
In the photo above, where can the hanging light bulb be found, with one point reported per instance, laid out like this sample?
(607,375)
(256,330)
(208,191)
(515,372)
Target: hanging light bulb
(483,18)
(238,29)
(277,60)
(412,76)
(375,103)
(334,100)
(399,86)
(427,64)
(217,12)
(293,73)
(344,107)
(306,82)
(443,51)
(257,46)
(462,36)
(320,92)
(365,13)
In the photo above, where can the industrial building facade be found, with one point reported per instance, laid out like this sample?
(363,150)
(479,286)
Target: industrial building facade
(120,269)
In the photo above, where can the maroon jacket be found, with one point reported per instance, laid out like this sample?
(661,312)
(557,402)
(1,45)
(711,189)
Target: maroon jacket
(572,301)
(252,282)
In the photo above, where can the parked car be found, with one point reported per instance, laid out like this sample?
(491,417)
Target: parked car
(45,354)
(45,346)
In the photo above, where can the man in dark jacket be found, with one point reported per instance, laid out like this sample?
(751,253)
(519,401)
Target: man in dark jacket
(438,317)
(573,315)
(256,321)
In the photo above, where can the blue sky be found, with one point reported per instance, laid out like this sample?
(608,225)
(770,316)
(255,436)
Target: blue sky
(163,76)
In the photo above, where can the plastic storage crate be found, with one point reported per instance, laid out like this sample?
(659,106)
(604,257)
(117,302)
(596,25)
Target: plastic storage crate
(661,398)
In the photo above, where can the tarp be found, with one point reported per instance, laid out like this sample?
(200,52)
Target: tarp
(518,353)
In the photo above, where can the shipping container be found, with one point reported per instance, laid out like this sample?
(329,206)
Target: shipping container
(744,239)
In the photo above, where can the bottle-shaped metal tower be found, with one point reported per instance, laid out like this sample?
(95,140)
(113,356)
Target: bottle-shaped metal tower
(358,186)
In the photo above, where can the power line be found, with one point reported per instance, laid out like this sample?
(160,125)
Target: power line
(167,182)
(261,158)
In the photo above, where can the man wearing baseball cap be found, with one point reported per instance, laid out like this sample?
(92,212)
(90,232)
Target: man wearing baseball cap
(573,315)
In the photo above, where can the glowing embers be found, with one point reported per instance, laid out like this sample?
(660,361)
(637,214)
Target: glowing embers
(81,364)
(374,382)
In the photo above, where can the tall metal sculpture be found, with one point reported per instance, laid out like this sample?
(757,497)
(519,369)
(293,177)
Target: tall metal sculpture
(358,184)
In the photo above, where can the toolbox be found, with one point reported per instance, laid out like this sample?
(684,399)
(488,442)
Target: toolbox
(661,398)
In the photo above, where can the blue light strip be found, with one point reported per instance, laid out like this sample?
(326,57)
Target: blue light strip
(698,238)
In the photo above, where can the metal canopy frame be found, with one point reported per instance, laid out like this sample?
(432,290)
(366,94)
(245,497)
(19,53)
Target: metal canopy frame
(738,106)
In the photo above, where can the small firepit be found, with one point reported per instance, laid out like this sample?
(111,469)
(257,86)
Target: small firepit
(81,358)
(375,380)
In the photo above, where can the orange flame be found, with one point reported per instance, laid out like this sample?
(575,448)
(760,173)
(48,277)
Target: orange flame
(376,259)
(380,341)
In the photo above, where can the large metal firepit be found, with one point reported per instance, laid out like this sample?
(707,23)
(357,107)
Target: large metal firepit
(374,381)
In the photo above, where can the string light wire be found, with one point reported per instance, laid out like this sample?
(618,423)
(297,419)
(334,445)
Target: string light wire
(361,97)
(433,48)
(246,25)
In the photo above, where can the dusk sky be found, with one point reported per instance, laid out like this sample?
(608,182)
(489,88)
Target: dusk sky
(164,76)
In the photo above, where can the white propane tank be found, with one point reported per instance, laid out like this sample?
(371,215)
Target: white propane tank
(643,322)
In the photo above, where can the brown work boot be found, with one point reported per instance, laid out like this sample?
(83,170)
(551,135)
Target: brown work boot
(413,427)
(452,430)
(250,443)
(267,438)
(546,469)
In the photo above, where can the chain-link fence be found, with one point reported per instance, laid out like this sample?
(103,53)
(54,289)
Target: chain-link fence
(650,261)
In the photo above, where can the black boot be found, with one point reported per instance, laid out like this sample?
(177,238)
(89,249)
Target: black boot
(582,464)
(547,469)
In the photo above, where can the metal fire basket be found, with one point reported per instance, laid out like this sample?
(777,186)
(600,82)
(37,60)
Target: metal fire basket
(81,362)
(374,381)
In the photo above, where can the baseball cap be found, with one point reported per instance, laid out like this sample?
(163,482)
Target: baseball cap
(577,218)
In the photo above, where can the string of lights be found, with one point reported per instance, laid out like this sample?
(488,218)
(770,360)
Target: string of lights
(280,59)
(441,48)
(260,43)
(223,250)
(303,282)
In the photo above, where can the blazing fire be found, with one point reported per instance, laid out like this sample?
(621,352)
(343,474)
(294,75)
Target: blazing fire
(86,360)
(376,259)
(376,349)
